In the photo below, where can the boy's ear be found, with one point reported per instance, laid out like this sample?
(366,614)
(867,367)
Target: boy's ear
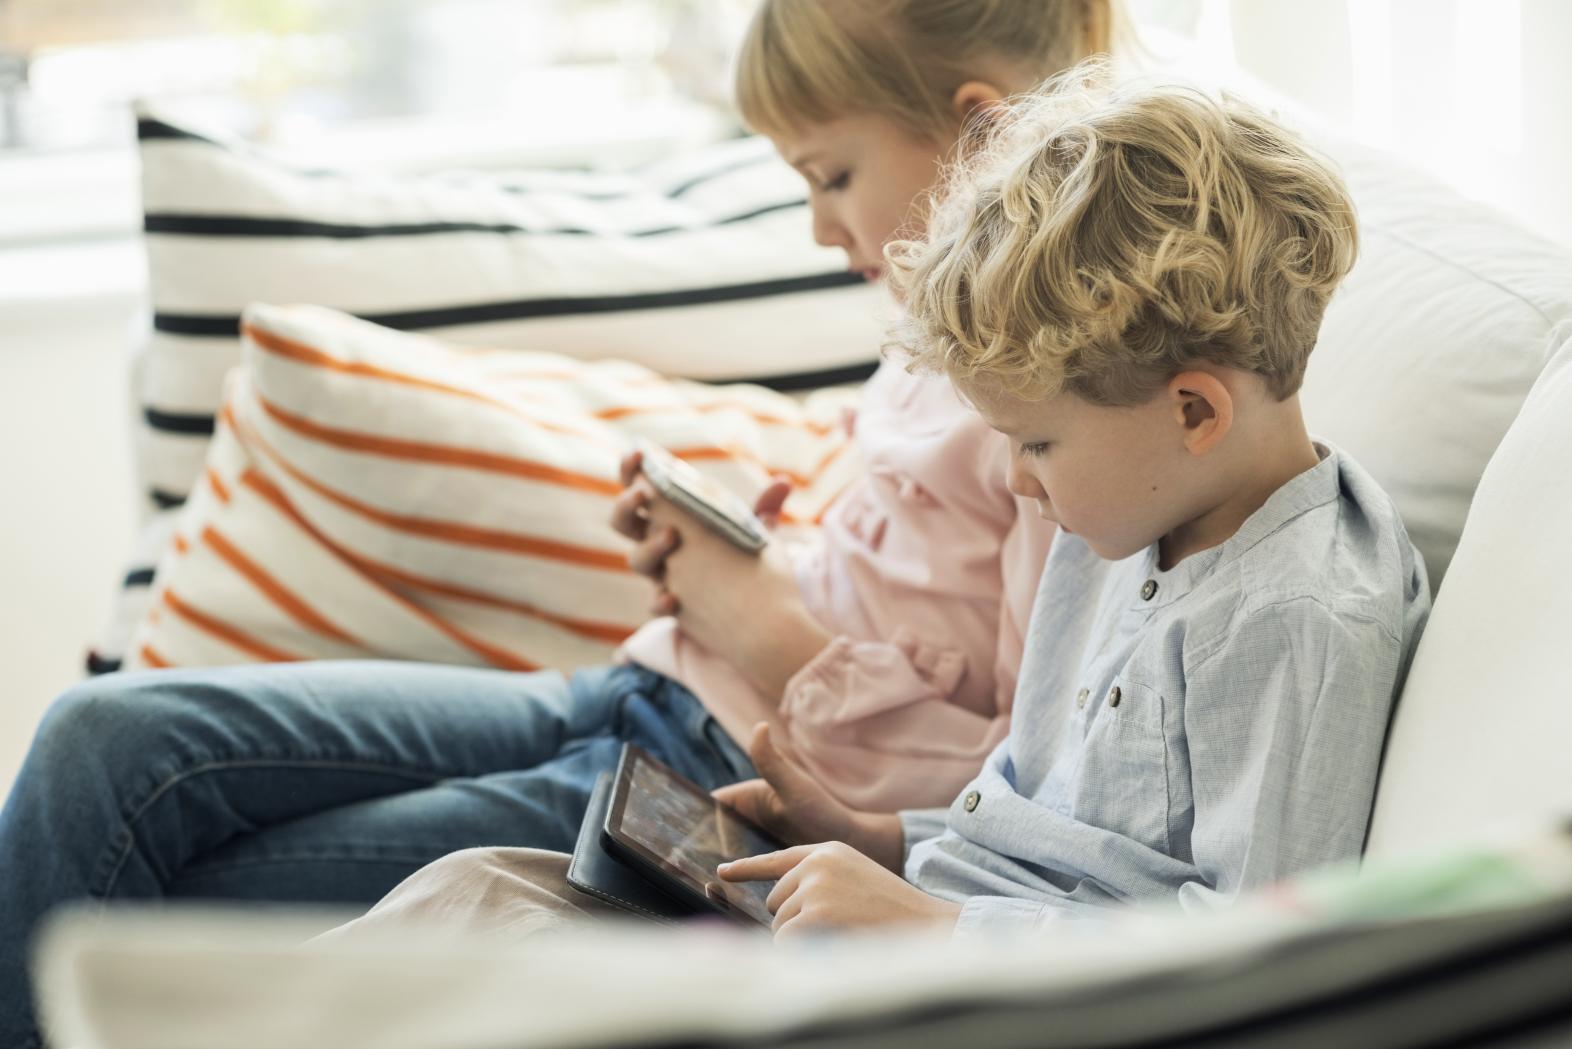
(1203,408)
(977,100)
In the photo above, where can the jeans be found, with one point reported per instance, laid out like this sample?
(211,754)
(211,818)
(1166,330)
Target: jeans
(320,782)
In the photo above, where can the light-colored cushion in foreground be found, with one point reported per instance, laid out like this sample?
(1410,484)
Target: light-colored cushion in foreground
(1462,948)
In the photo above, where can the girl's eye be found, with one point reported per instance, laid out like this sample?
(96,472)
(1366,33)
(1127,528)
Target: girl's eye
(837,183)
(1035,449)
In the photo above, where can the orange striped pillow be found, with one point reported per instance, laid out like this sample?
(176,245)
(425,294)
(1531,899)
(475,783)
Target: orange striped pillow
(373,494)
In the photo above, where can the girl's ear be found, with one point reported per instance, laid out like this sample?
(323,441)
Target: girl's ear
(976,100)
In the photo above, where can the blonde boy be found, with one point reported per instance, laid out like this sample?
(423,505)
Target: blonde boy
(1127,284)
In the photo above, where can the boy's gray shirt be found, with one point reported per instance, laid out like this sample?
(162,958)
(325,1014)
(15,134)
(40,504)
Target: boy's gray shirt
(1192,733)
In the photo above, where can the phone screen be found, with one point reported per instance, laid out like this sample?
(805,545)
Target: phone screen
(676,830)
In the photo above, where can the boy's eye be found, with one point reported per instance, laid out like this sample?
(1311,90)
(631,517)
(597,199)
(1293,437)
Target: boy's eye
(1035,448)
(837,183)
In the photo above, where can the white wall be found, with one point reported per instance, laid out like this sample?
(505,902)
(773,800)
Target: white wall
(67,322)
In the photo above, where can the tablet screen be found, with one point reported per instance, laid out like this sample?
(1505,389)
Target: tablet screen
(671,824)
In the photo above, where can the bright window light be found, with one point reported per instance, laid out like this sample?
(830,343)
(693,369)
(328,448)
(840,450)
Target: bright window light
(1489,73)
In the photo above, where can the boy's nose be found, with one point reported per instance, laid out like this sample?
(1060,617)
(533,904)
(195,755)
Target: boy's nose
(1021,481)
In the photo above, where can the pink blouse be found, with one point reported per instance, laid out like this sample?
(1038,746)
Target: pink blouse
(925,572)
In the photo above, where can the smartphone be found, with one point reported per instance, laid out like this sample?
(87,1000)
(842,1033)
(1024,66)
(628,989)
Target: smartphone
(717,509)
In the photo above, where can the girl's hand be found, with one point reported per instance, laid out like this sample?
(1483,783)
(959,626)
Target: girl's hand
(630,516)
(791,804)
(744,607)
(833,886)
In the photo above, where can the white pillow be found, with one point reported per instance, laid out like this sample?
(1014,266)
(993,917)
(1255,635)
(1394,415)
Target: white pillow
(702,267)
(1479,740)
(372,494)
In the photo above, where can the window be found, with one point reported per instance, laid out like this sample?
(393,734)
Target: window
(290,68)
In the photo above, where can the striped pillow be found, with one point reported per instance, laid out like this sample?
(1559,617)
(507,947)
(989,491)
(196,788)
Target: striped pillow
(372,494)
(702,267)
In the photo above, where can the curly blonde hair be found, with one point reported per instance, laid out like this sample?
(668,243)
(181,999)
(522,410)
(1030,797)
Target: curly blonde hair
(811,61)
(1109,237)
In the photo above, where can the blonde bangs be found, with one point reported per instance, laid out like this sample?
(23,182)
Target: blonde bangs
(797,67)
(807,62)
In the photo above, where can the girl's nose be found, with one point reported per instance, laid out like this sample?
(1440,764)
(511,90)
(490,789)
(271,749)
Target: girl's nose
(827,232)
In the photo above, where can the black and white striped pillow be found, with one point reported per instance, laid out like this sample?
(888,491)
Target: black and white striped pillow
(702,266)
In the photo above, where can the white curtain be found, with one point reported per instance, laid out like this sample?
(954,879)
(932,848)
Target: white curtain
(1478,92)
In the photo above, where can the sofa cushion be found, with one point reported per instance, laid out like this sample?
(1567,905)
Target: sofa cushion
(703,267)
(1464,948)
(1481,732)
(375,494)
(1430,346)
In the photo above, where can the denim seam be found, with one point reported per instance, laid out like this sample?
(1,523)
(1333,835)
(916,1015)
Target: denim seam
(421,858)
(138,811)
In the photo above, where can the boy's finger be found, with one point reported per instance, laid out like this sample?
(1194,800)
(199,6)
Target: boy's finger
(770,866)
(773,765)
(789,910)
(729,794)
(746,797)
(784,910)
(785,894)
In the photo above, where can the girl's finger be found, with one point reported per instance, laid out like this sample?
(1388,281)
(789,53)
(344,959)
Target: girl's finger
(631,466)
(665,603)
(767,507)
(629,512)
(649,557)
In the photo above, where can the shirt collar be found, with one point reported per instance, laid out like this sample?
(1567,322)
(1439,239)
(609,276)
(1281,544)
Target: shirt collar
(1314,487)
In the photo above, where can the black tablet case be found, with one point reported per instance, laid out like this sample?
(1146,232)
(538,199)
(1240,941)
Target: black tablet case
(595,871)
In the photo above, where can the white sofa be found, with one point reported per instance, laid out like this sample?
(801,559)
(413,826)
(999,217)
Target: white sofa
(1448,356)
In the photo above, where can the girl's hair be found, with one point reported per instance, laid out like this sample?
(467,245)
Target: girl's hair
(1108,237)
(811,61)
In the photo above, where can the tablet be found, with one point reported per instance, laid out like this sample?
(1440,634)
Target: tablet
(716,508)
(671,830)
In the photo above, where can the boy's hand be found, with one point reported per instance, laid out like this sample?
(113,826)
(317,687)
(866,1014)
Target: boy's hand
(833,886)
(744,607)
(791,804)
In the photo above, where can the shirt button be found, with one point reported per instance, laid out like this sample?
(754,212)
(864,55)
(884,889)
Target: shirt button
(1115,696)
(1148,590)
(972,798)
(1081,697)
